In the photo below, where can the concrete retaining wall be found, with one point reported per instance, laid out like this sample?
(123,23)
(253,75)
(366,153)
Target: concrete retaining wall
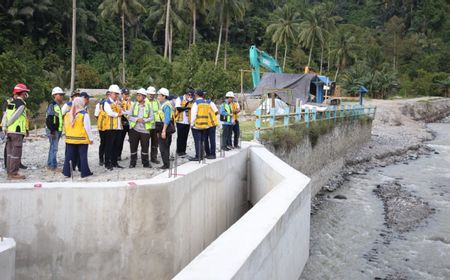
(326,158)
(120,231)
(7,259)
(271,241)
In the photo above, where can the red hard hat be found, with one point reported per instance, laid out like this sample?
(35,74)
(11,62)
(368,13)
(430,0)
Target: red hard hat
(20,88)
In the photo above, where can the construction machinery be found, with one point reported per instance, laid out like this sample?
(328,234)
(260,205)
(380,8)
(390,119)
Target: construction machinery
(260,58)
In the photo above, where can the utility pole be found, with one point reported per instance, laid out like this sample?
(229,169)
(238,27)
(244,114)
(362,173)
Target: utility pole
(74,45)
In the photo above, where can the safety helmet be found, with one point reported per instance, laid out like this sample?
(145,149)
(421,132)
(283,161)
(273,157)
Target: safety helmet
(163,91)
(114,88)
(141,91)
(229,94)
(151,90)
(57,90)
(20,88)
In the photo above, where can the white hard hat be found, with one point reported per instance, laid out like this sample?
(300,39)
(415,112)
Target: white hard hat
(57,90)
(163,91)
(229,94)
(141,91)
(114,88)
(151,90)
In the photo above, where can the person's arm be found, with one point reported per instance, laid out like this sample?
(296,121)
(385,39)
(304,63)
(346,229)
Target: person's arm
(109,111)
(16,115)
(87,127)
(97,110)
(193,113)
(132,118)
(65,109)
(49,121)
(223,112)
(214,107)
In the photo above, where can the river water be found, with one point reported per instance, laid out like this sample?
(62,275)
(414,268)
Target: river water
(353,239)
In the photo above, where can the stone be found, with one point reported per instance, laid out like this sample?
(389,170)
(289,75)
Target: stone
(340,196)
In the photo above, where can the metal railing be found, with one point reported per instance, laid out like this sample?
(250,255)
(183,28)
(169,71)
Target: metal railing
(307,115)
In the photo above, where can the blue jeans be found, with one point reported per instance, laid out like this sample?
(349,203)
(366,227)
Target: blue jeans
(53,150)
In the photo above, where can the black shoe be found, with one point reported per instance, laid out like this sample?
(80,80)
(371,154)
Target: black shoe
(119,158)
(163,167)
(155,161)
(193,159)
(132,165)
(237,147)
(211,157)
(225,149)
(147,165)
(117,166)
(230,147)
(21,166)
(109,167)
(181,154)
(90,174)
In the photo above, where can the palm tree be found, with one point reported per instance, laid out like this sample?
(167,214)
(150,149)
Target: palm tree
(343,51)
(74,44)
(227,11)
(126,9)
(328,23)
(283,28)
(194,6)
(311,31)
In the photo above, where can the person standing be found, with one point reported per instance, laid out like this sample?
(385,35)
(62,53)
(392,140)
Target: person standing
(141,121)
(113,127)
(101,119)
(183,105)
(236,131)
(154,103)
(165,127)
(54,128)
(77,126)
(226,117)
(15,123)
(125,104)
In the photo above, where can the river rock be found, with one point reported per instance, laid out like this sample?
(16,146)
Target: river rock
(340,196)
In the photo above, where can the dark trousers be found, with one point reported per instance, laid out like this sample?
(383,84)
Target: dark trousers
(80,152)
(14,153)
(182,136)
(112,140)
(101,149)
(75,160)
(200,136)
(123,134)
(210,141)
(164,148)
(237,133)
(153,145)
(136,138)
(226,135)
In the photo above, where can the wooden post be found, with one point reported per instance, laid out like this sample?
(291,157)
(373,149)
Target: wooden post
(286,117)
(314,114)
(257,135)
(307,116)
(272,117)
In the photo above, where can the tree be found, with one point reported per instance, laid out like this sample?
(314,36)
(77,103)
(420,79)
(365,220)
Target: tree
(194,6)
(394,29)
(327,21)
(343,51)
(283,28)
(311,31)
(125,9)
(74,44)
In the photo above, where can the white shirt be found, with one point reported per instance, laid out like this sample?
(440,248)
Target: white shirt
(87,127)
(108,110)
(97,110)
(185,119)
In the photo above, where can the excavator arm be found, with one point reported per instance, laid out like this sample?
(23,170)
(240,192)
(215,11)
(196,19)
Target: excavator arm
(261,58)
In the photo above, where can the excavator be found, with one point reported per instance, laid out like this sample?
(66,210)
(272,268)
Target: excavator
(261,58)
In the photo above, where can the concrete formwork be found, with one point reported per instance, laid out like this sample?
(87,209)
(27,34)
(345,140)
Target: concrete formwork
(7,258)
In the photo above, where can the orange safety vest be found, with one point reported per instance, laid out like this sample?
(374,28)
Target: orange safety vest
(179,115)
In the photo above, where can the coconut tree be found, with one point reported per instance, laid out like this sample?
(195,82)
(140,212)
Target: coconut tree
(283,28)
(195,7)
(127,10)
(311,30)
(343,51)
(328,23)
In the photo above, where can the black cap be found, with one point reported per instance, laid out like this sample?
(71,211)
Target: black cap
(85,95)
(125,91)
(190,91)
(200,92)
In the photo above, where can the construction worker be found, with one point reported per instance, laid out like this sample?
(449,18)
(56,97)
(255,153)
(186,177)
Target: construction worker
(101,119)
(226,117)
(66,107)
(183,105)
(236,131)
(113,127)
(203,118)
(151,93)
(141,121)
(86,98)
(77,126)
(125,104)
(165,127)
(54,127)
(15,123)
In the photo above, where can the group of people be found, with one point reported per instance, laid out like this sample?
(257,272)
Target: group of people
(149,121)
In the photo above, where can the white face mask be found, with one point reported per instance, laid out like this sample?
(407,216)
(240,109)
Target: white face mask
(189,99)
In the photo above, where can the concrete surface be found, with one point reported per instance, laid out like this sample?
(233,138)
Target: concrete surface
(271,241)
(143,229)
(7,259)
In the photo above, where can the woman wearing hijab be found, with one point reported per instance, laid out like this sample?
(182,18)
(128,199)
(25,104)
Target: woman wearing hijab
(77,126)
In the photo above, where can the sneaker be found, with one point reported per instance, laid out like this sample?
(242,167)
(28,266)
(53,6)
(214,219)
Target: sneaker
(225,149)
(230,147)
(16,177)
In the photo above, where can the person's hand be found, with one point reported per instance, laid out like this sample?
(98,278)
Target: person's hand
(163,135)
(140,120)
(91,142)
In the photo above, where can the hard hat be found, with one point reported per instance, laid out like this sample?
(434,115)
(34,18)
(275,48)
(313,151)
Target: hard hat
(141,91)
(151,90)
(229,94)
(163,91)
(75,92)
(57,90)
(125,91)
(20,88)
(114,88)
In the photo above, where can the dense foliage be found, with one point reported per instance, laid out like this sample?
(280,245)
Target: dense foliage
(391,47)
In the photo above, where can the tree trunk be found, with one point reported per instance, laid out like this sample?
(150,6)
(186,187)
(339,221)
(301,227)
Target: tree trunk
(321,61)
(74,45)
(220,40)
(227,26)
(170,41)
(329,57)
(123,49)
(194,22)
(337,72)
(276,51)
(310,54)
(166,33)
(285,54)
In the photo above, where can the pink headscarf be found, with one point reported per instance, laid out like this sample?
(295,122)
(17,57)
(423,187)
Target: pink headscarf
(77,106)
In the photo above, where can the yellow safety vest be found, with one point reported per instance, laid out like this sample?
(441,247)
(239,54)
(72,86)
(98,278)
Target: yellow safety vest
(234,107)
(179,115)
(135,112)
(20,124)
(155,106)
(205,116)
(109,122)
(161,111)
(76,133)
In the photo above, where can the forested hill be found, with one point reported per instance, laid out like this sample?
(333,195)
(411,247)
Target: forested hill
(392,47)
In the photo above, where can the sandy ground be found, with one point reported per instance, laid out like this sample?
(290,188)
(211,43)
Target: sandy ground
(35,152)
